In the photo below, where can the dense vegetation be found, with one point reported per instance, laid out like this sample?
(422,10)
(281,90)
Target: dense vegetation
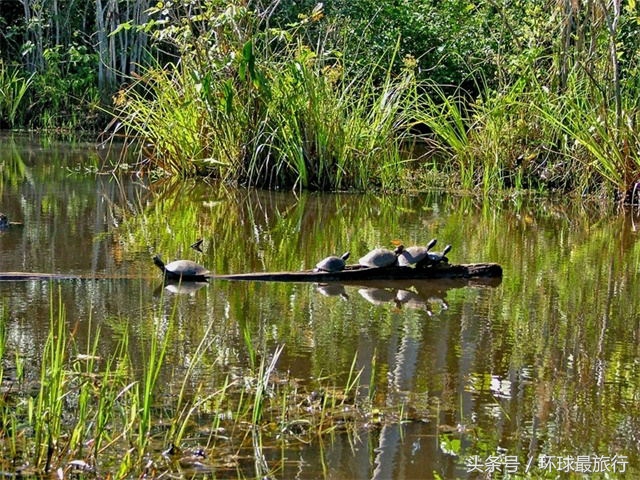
(485,95)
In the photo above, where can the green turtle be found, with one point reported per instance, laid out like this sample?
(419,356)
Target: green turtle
(381,257)
(332,263)
(184,270)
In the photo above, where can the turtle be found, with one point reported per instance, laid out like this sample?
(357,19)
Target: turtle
(6,224)
(332,263)
(436,258)
(415,254)
(381,257)
(184,270)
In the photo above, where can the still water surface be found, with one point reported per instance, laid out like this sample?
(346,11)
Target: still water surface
(542,363)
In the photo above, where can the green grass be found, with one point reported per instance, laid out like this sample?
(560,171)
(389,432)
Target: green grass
(272,113)
(266,108)
(108,414)
(13,87)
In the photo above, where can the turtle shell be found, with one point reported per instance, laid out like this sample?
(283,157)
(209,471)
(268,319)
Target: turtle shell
(381,257)
(414,254)
(185,270)
(332,263)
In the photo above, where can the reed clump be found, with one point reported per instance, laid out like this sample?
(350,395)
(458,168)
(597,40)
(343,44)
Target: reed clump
(14,85)
(526,136)
(264,108)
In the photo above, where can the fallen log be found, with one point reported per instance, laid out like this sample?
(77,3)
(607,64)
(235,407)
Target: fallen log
(359,273)
(351,273)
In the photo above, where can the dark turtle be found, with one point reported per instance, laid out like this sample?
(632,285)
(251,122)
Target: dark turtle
(415,254)
(332,263)
(184,270)
(5,223)
(381,257)
(435,259)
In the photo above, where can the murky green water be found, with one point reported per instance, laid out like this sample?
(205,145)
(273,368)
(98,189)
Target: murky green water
(537,371)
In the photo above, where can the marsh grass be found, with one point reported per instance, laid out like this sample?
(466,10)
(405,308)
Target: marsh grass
(113,415)
(13,87)
(602,151)
(525,136)
(269,110)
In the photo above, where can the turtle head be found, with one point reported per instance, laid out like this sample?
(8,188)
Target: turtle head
(399,249)
(345,255)
(431,244)
(446,250)
(158,261)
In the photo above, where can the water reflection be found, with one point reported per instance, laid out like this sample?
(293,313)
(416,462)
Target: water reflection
(377,296)
(333,289)
(543,361)
(181,288)
(425,295)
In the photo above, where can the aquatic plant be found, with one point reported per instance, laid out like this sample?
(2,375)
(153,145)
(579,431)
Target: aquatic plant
(94,414)
(14,85)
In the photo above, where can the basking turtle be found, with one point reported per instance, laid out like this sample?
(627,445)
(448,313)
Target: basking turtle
(435,259)
(184,270)
(415,254)
(381,257)
(332,263)
(5,223)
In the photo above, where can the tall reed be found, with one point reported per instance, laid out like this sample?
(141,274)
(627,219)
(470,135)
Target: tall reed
(13,88)
(271,111)
(47,414)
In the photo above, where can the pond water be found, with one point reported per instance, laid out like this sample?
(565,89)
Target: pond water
(535,373)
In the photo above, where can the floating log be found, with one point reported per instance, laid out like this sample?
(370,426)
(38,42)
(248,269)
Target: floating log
(359,273)
(351,273)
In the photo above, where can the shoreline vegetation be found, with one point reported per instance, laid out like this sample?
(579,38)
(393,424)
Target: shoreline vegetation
(354,96)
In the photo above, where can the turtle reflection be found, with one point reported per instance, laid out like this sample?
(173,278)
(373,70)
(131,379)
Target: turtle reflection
(332,290)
